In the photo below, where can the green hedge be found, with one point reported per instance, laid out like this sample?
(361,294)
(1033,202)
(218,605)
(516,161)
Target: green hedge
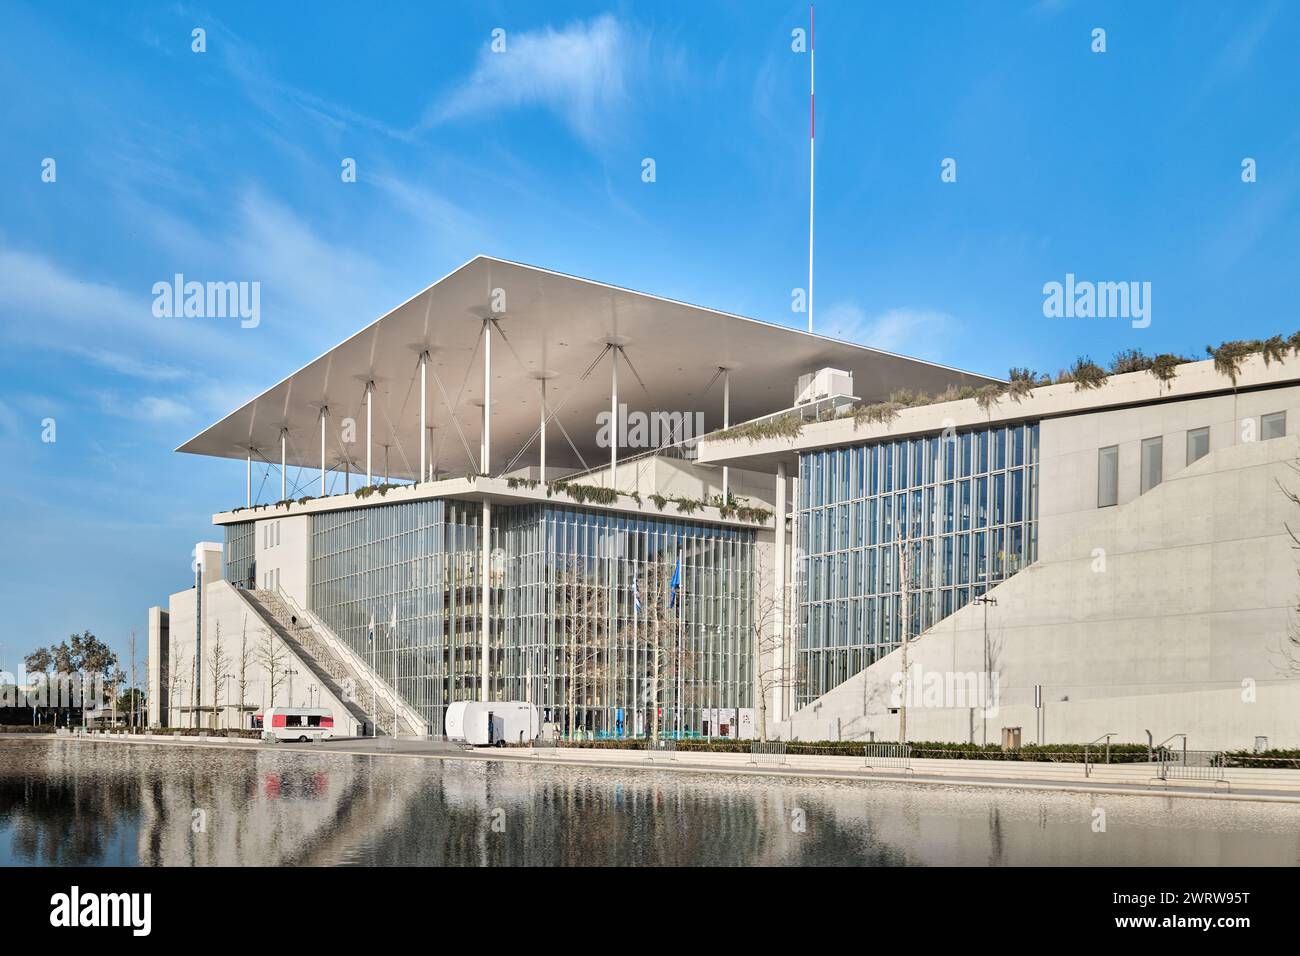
(26,729)
(1060,753)
(1264,759)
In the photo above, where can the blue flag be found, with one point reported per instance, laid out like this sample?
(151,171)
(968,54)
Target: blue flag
(636,590)
(676,581)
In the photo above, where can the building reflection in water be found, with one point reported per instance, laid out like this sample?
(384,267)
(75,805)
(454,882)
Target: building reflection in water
(72,802)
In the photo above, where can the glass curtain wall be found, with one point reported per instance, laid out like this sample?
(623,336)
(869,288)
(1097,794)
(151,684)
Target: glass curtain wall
(410,572)
(240,551)
(966,507)
(578,646)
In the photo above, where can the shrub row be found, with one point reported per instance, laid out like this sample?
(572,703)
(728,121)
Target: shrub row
(1061,753)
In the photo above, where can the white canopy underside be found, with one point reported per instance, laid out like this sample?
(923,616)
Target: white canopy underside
(551,325)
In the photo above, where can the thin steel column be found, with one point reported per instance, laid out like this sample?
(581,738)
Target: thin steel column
(613,419)
(485,596)
(248,495)
(323,412)
(485,453)
(284,467)
(370,445)
(424,403)
(726,423)
(543,431)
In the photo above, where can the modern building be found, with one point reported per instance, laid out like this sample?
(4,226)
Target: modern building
(617,582)
(645,515)
(1083,561)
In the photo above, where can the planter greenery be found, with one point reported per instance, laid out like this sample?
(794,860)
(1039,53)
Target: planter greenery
(788,426)
(584,494)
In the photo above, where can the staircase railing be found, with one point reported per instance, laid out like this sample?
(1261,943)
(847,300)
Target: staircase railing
(402,711)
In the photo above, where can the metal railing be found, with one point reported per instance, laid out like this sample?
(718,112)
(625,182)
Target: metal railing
(884,756)
(1087,752)
(661,749)
(771,752)
(1206,765)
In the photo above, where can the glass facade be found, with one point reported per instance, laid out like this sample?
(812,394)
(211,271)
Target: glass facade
(966,507)
(240,552)
(417,560)
(577,645)
(566,632)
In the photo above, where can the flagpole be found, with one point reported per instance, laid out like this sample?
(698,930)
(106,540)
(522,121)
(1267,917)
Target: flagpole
(812,136)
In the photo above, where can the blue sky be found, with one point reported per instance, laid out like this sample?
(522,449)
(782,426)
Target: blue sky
(225,165)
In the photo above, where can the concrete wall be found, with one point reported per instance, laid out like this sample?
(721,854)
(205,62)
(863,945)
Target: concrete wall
(159,644)
(283,548)
(1169,612)
(243,637)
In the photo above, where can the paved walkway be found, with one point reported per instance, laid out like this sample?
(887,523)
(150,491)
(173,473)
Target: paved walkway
(1239,784)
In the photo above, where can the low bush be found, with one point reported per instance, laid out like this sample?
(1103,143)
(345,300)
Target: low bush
(1058,753)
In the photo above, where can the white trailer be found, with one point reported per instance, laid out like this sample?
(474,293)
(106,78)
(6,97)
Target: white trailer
(486,723)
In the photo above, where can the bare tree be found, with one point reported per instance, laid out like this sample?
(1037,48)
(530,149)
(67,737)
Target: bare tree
(132,676)
(245,657)
(661,624)
(580,619)
(768,640)
(115,680)
(175,683)
(272,658)
(218,660)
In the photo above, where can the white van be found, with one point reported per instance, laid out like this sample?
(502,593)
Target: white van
(493,722)
(302,724)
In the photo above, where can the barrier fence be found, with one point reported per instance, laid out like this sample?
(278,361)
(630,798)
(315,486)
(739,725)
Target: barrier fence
(882,756)
(768,752)
(661,749)
(1192,765)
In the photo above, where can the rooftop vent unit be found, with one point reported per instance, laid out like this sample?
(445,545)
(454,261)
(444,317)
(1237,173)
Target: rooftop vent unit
(823,383)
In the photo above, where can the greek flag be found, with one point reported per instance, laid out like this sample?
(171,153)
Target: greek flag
(676,582)
(636,590)
(370,634)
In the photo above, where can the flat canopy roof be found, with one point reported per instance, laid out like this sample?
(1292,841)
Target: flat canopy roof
(547,326)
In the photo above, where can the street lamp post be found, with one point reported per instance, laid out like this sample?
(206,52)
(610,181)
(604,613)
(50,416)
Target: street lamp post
(985,600)
(291,673)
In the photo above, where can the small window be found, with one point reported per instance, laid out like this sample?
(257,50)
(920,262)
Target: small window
(1198,444)
(293,720)
(1152,462)
(1107,476)
(1273,425)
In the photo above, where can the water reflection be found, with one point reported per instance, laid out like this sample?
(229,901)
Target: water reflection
(87,803)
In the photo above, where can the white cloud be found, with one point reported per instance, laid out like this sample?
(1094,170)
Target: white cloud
(907,331)
(147,408)
(579,72)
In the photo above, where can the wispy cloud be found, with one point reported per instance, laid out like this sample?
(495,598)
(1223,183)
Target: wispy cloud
(146,408)
(580,72)
(906,330)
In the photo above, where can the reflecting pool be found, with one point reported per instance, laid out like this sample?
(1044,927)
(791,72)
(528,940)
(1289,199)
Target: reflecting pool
(78,802)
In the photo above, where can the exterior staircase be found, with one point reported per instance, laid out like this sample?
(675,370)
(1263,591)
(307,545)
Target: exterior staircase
(369,698)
